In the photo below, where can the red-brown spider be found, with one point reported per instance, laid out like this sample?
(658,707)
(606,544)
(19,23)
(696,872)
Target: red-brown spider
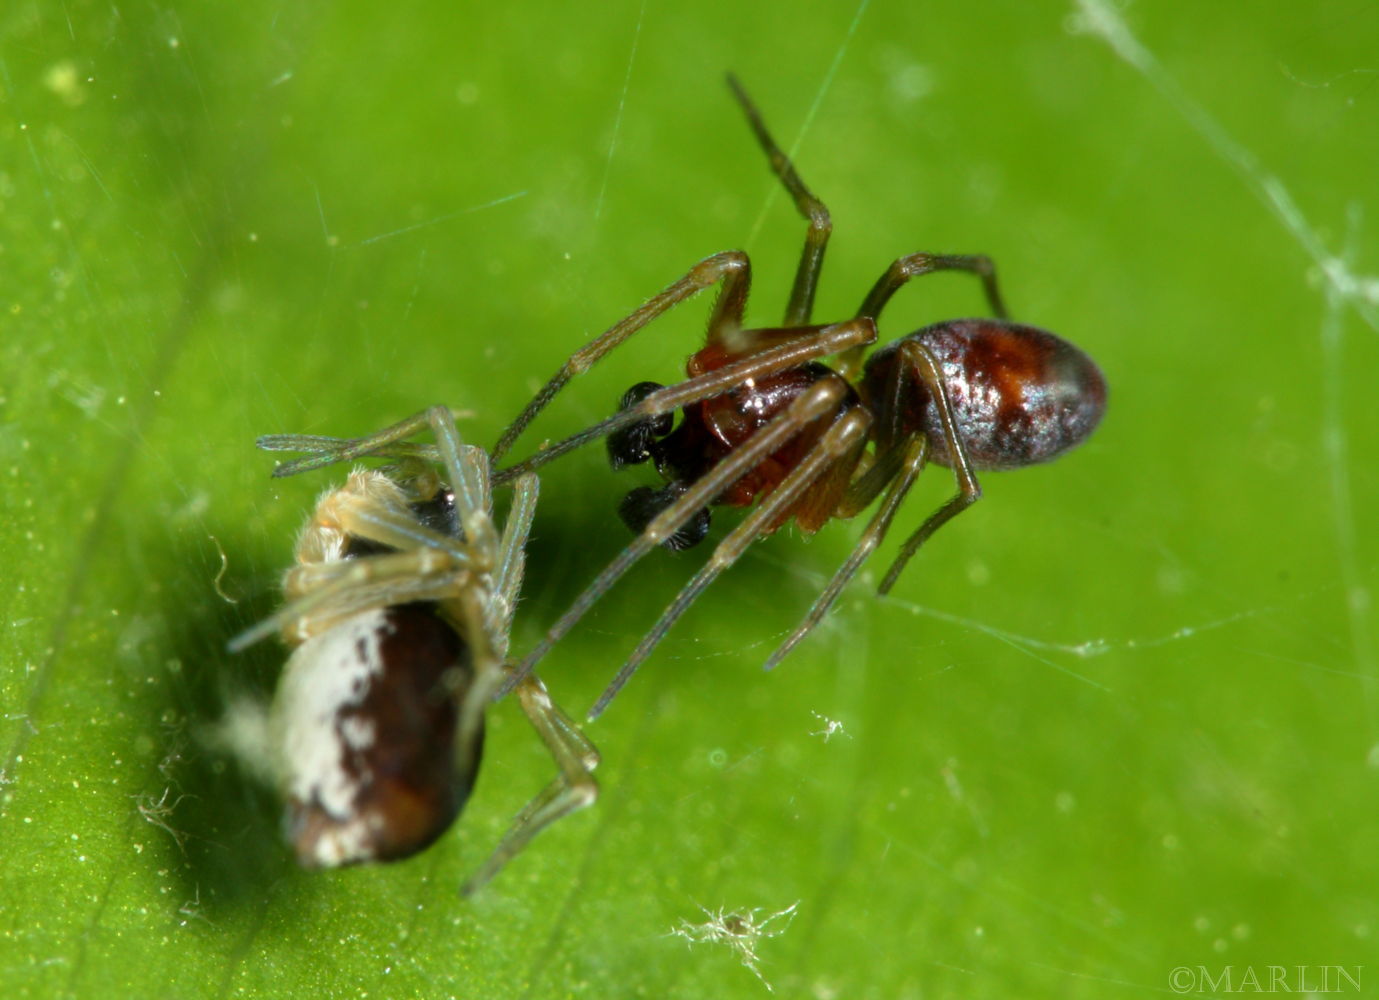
(764,421)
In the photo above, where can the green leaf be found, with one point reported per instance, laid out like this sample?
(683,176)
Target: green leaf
(1118,719)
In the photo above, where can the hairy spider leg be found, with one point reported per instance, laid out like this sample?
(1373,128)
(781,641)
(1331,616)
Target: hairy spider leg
(511,565)
(571,790)
(465,466)
(323,450)
(389,442)
(575,756)
(424,574)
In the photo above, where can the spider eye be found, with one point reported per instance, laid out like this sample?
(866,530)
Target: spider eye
(641,505)
(633,445)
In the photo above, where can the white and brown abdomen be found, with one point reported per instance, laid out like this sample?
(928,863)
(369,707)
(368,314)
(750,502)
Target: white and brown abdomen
(364,726)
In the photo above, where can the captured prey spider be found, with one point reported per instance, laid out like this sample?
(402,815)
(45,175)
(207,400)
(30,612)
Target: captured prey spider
(763,421)
(398,610)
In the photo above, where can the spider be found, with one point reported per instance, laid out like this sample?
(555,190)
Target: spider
(398,613)
(764,421)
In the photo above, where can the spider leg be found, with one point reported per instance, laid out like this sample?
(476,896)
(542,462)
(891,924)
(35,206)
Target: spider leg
(477,606)
(353,585)
(575,756)
(819,399)
(913,266)
(467,471)
(465,467)
(389,442)
(475,578)
(839,443)
(470,605)
(969,491)
(428,565)
(900,480)
(871,484)
(365,518)
(817,342)
(507,576)
(731,267)
(894,473)
(299,442)
(574,788)
(801,303)
(467,476)
(319,444)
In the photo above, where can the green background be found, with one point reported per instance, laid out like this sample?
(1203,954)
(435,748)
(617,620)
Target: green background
(1120,718)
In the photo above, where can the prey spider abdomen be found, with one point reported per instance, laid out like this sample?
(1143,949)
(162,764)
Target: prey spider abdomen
(368,715)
